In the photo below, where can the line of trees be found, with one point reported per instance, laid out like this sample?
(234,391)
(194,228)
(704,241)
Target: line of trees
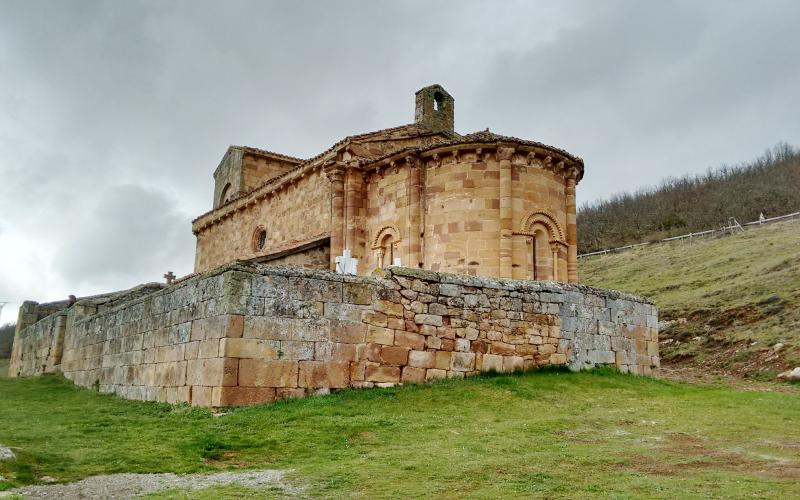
(769,184)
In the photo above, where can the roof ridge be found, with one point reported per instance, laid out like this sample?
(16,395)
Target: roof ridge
(337,144)
(481,136)
(267,152)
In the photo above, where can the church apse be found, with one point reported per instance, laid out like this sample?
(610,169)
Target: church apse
(457,203)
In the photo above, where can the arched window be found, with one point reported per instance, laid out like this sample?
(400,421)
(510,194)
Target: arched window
(545,244)
(385,245)
(541,265)
(224,194)
(438,99)
(386,251)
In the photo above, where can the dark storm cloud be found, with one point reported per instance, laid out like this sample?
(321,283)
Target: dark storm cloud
(114,114)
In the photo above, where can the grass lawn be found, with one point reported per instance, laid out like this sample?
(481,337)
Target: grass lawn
(738,295)
(545,434)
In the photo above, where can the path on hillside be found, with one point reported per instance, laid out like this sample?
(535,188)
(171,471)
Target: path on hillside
(135,485)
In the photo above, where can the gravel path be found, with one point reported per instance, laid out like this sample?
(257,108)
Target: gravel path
(134,485)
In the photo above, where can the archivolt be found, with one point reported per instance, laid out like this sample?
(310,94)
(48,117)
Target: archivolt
(544,217)
(385,230)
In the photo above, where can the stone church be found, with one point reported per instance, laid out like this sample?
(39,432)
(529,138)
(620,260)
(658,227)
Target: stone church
(440,216)
(419,195)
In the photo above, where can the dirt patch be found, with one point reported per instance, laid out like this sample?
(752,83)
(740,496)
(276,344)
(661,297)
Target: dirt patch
(134,485)
(715,341)
(691,454)
(700,375)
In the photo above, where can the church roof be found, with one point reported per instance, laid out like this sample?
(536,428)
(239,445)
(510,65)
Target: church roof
(410,130)
(264,152)
(483,136)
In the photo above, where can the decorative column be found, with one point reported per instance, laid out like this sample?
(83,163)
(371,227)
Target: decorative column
(352,204)
(335,172)
(555,247)
(572,226)
(414,212)
(504,155)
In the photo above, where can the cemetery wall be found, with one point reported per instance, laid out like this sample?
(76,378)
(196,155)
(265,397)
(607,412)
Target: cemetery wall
(245,334)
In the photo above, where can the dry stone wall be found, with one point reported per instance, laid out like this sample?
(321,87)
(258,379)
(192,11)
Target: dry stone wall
(246,334)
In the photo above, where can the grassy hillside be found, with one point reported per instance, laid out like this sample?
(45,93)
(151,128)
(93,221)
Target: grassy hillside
(546,434)
(693,203)
(732,299)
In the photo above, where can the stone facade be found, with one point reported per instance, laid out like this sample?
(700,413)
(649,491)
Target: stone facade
(480,204)
(244,334)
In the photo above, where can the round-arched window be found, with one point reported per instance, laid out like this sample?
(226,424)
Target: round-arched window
(224,196)
(259,239)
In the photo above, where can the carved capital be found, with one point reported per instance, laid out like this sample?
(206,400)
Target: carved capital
(571,174)
(335,171)
(504,153)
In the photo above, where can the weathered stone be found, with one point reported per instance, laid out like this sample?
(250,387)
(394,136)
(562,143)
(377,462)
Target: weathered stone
(378,335)
(393,355)
(316,374)
(434,373)
(462,361)
(267,373)
(413,375)
(241,396)
(409,340)
(382,373)
(422,359)
(249,348)
(492,362)
(428,319)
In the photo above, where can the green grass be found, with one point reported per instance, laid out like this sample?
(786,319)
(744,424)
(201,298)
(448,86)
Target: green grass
(741,291)
(541,434)
(4,367)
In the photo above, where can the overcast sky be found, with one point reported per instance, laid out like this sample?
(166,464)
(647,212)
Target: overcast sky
(113,115)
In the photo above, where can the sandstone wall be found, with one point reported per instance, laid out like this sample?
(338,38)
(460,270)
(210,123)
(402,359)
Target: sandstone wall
(317,257)
(462,219)
(388,214)
(250,334)
(291,216)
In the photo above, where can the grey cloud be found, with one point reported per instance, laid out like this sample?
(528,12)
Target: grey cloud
(129,234)
(644,90)
(148,94)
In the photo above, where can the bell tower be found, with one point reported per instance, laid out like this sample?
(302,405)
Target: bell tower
(434,108)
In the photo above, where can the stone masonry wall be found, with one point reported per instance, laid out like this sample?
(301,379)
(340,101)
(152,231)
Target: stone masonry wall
(256,333)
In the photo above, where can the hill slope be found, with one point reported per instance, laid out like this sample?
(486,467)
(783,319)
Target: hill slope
(694,203)
(730,300)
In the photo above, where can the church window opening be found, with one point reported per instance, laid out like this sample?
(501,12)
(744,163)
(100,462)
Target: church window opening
(224,196)
(386,251)
(541,256)
(437,101)
(260,239)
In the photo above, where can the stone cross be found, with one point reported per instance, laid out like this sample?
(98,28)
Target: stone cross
(346,264)
(169,277)
(397,262)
